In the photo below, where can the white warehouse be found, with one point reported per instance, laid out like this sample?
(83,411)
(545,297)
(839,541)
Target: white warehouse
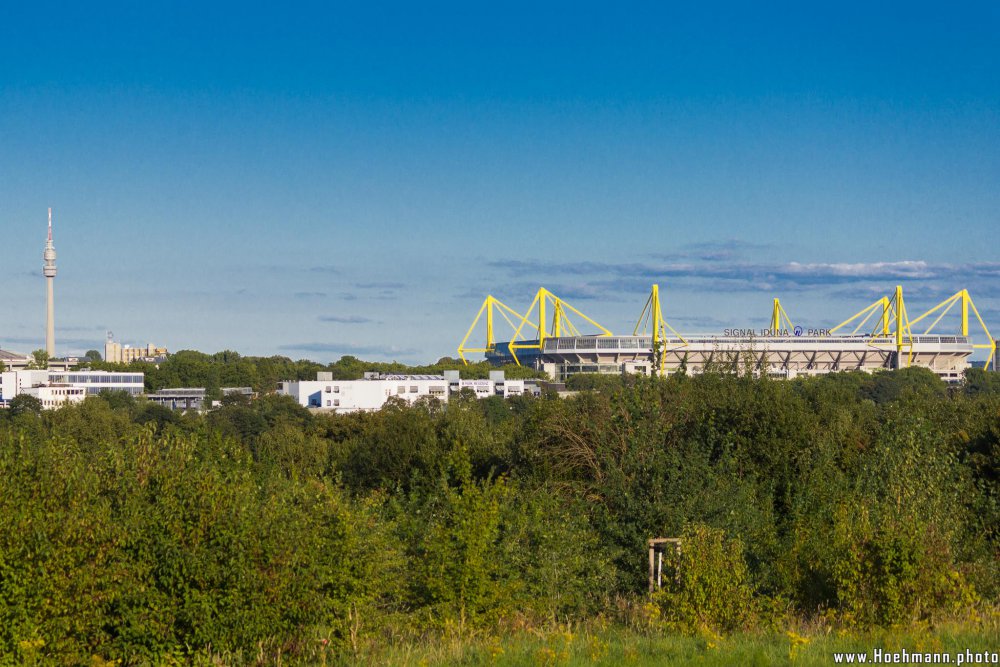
(375,390)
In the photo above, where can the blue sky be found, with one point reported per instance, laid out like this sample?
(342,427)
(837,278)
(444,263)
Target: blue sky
(325,179)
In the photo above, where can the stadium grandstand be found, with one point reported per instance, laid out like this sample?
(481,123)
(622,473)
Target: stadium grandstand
(881,336)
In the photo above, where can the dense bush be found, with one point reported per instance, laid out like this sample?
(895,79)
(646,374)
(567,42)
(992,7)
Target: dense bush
(134,533)
(706,583)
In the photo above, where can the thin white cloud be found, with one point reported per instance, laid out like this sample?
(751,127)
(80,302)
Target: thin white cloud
(345,319)
(350,348)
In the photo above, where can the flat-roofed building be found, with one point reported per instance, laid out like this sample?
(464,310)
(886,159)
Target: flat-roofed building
(97,381)
(179,398)
(55,395)
(62,386)
(375,390)
(12,360)
(126,354)
(367,394)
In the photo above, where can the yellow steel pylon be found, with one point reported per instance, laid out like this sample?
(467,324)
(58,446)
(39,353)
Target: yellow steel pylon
(491,305)
(778,315)
(653,314)
(882,306)
(962,297)
(891,312)
(560,321)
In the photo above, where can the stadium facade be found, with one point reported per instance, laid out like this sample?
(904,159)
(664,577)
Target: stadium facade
(880,337)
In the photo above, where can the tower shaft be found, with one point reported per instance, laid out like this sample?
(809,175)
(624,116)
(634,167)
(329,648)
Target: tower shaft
(50,319)
(49,271)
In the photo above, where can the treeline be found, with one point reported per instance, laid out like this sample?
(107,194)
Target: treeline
(131,532)
(189,368)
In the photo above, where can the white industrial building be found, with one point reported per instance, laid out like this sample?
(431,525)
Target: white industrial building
(54,396)
(375,390)
(56,388)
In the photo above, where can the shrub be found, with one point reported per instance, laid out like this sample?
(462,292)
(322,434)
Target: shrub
(707,583)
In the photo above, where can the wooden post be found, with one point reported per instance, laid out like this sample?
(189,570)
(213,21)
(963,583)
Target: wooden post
(657,545)
(652,574)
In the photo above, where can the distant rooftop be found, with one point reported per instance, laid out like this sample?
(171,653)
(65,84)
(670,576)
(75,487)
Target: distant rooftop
(179,391)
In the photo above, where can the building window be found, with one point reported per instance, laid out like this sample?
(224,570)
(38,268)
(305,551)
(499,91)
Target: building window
(336,390)
(336,402)
(328,390)
(413,388)
(400,389)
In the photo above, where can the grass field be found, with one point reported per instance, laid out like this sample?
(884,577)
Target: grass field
(620,646)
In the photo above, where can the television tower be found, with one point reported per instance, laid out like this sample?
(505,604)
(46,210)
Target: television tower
(49,270)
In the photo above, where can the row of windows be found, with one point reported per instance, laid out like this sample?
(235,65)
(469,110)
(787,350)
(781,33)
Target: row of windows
(400,389)
(134,391)
(97,379)
(53,404)
(587,343)
(66,392)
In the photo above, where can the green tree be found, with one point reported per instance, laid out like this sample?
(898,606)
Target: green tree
(93,355)
(979,381)
(39,360)
(118,399)
(707,584)
(23,404)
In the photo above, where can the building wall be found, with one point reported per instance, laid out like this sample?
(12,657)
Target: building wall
(375,392)
(83,383)
(116,353)
(56,396)
(355,395)
(97,381)
(482,388)
(179,398)
(13,383)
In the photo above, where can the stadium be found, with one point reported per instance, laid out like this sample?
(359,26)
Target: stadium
(881,336)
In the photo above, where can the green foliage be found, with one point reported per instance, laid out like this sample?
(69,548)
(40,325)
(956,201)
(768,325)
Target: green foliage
(119,399)
(131,532)
(24,404)
(39,360)
(896,536)
(141,548)
(559,566)
(912,381)
(594,382)
(458,571)
(706,583)
(979,381)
